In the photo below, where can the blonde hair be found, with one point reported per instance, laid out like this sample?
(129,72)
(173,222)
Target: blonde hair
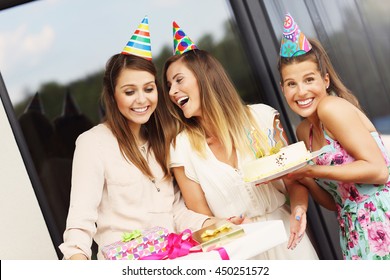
(319,56)
(221,105)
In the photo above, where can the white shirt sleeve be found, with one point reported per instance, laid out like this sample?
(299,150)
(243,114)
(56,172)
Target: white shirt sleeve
(181,155)
(264,114)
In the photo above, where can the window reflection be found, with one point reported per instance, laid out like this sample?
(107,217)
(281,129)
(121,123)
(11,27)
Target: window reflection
(56,90)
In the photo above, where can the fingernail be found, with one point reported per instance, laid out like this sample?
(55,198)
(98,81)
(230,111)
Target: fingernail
(298,218)
(240,215)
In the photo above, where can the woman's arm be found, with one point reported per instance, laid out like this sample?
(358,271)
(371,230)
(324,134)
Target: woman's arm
(354,136)
(299,198)
(185,218)
(86,193)
(321,196)
(80,257)
(192,192)
(195,199)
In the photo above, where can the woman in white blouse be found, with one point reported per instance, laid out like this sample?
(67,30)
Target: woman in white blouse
(212,146)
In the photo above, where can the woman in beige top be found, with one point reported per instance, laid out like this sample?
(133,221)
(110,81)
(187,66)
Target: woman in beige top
(120,177)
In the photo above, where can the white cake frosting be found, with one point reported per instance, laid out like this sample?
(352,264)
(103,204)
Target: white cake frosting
(287,157)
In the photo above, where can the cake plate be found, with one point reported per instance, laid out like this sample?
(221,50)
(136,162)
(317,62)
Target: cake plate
(283,172)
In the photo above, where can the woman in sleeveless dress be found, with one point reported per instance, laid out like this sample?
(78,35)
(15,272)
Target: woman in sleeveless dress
(351,176)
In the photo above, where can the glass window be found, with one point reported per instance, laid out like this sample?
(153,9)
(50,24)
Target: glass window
(52,57)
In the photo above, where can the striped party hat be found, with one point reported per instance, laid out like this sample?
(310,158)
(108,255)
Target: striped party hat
(294,42)
(139,43)
(181,42)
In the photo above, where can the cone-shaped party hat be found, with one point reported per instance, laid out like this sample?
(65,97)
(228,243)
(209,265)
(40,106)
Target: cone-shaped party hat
(294,42)
(139,43)
(181,42)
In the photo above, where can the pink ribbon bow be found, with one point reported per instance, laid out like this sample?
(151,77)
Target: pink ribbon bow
(179,245)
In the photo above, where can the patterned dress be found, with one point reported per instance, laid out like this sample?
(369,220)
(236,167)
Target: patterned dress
(363,210)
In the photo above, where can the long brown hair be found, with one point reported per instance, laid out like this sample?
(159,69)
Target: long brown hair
(118,123)
(221,105)
(319,56)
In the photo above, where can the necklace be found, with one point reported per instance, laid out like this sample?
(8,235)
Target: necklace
(154,183)
(143,151)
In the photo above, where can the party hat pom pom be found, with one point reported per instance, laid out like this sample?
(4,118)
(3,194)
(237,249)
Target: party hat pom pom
(139,43)
(294,42)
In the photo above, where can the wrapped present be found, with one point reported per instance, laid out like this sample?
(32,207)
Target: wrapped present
(136,244)
(182,244)
(216,235)
(179,244)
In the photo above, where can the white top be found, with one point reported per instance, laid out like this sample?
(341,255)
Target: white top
(114,194)
(226,192)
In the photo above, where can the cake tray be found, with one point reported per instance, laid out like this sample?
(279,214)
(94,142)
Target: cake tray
(285,171)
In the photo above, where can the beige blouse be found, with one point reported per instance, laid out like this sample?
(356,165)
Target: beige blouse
(110,196)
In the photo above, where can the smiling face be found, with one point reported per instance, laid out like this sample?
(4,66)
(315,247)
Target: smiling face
(184,89)
(136,96)
(303,87)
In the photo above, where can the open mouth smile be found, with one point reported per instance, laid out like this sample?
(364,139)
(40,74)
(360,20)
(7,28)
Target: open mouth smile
(140,110)
(183,100)
(304,103)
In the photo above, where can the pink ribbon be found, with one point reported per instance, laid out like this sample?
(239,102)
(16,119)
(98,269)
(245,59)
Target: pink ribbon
(179,245)
(222,252)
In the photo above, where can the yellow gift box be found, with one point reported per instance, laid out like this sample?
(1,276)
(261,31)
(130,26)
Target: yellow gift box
(217,235)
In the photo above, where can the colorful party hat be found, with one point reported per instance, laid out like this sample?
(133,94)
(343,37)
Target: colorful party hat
(181,42)
(294,42)
(139,43)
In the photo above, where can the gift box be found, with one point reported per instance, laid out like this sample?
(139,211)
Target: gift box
(137,244)
(259,237)
(217,235)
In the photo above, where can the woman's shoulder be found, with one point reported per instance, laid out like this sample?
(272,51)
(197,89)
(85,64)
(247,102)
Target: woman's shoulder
(182,139)
(97,133)
(330,108)
(332,103)
(264,114)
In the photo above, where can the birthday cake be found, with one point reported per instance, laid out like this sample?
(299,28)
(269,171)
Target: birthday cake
(269,165)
